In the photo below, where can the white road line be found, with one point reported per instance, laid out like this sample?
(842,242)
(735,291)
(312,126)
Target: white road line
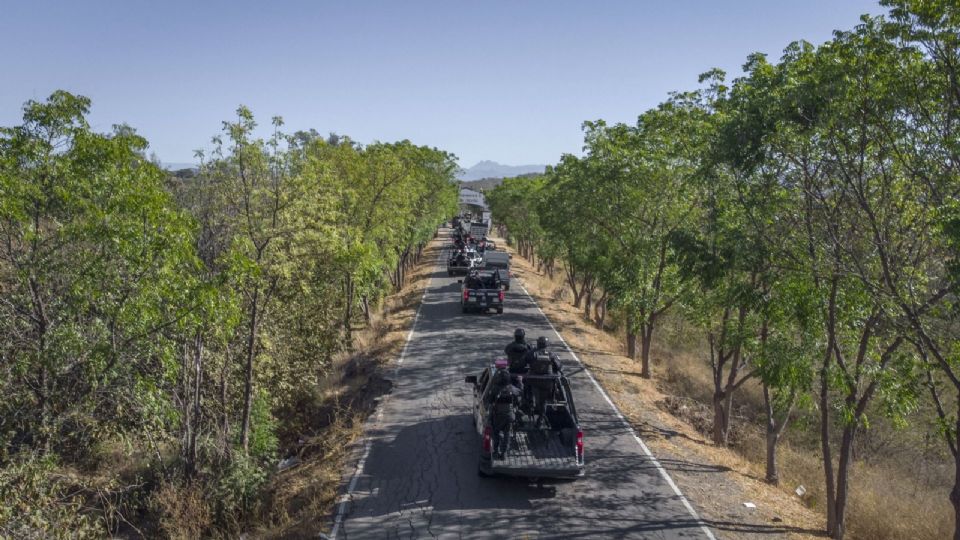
(345,498)
(623,420)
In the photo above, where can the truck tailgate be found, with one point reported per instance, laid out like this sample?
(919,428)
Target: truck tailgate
(538,453)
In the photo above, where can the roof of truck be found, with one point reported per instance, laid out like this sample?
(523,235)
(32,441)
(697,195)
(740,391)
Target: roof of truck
(496,256)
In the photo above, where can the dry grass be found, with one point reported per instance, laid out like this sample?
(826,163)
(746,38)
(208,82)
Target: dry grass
(672,413)
(181,511)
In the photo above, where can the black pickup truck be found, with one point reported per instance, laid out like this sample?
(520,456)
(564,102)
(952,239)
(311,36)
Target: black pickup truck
(459,263)
(481,291)
(553,449)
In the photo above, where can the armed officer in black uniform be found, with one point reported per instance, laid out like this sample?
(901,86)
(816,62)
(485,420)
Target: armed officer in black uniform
(517,351)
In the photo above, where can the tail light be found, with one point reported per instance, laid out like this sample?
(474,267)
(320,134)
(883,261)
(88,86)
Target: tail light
(501,295)
(580,444)
(487,440)
(466,294)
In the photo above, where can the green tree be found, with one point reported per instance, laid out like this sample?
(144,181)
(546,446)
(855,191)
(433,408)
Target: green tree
(95,272)
(855,203)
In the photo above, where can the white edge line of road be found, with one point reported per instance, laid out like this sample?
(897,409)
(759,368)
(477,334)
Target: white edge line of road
(345,498)
(623,420)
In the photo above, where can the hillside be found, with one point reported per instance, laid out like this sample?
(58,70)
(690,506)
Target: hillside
(492,169)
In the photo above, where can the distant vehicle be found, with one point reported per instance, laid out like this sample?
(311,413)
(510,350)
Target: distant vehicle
(481,291)
(459,263)
(550,450)
(474,256)
(498,260)
(478,229)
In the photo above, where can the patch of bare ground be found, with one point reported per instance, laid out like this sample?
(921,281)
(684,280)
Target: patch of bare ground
(716,480)
(302,497)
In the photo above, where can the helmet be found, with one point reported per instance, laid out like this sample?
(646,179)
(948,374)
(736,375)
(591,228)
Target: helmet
(501,377)
(542,343)
(519,334)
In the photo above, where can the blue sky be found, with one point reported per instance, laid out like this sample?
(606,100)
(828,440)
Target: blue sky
(510,81)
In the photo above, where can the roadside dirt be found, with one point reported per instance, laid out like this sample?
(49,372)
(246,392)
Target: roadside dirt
(717,480)
(303,498)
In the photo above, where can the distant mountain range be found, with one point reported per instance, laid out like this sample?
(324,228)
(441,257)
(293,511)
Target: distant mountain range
(178,166)
(492,169)
(485,170)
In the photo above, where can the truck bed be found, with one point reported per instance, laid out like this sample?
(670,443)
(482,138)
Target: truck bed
(538,453)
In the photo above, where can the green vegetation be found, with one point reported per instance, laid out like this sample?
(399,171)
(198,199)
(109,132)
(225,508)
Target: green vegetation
(160,325)
(804,219)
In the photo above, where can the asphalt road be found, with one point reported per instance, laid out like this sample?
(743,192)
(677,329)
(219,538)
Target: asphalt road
(417,476)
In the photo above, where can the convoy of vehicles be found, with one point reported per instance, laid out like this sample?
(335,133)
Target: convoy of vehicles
(526,419)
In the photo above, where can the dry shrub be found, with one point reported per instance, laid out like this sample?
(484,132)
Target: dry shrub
(691,411)
(559,293)
(38,500)
(683,379)
(886,505)
(180,511)
(301,494)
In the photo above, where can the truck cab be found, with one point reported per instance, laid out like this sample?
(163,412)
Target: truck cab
(481,291)
(500,261)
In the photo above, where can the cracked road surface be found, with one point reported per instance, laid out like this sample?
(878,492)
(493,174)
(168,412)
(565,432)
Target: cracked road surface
(418,476)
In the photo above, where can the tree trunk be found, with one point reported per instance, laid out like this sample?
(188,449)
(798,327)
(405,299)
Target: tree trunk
(401,269)
(843,480)
(365,304)
(631,339)
(773,475)
(955,492)
(773,436)
(600,311)
(41,391)
(825,448)
(571,274)
(577,292)
(248,375)
(348,311)
(825,410)
(719,418)
(587,302)
(224,416)
(191,468)
(646,340)
(182,395)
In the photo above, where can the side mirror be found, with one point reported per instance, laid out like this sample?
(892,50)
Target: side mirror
(472,379)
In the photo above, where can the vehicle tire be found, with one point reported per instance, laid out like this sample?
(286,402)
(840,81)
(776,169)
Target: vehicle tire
(499,311)
(482,474)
